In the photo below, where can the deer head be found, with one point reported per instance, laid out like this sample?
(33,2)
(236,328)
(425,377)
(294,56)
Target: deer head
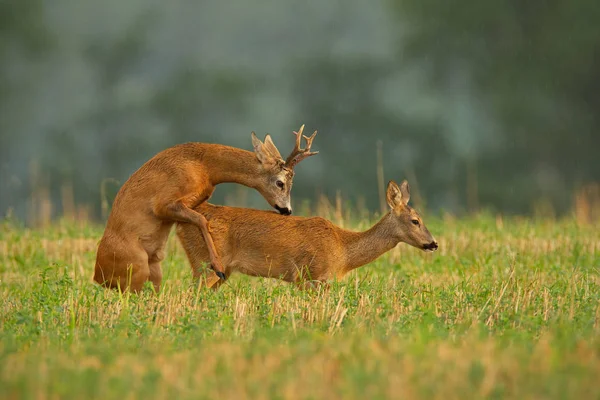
(408,225)
(275,181)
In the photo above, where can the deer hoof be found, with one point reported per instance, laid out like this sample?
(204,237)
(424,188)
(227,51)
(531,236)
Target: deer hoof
(220,274)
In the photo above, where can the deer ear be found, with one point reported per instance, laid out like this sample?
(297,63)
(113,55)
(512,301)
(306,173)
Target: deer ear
(405,190)
(260,149)
(271,147)
(394,195)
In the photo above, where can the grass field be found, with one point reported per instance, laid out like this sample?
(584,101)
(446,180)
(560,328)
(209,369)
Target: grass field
(505,309)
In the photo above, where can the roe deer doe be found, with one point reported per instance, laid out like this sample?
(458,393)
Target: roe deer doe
(297,249)
(169,188)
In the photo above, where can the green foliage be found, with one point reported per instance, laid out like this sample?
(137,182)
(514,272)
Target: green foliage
(504,310)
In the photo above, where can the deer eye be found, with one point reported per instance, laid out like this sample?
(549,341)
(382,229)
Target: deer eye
(415,222)
(279,184)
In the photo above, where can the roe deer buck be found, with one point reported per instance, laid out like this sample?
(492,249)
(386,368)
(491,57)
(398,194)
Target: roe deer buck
(168,187)
(297,249)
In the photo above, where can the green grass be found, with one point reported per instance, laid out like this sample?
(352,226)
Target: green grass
(505,309)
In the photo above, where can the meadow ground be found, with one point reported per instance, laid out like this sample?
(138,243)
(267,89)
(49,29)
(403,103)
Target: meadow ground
(505,309)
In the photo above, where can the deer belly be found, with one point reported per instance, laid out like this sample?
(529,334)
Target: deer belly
(263,265)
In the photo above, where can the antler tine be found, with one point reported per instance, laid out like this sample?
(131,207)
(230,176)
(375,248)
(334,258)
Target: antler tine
(299,135)
(296,150)
(298,154)
(309,141)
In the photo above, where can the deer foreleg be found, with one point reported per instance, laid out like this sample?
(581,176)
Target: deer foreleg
(179,212)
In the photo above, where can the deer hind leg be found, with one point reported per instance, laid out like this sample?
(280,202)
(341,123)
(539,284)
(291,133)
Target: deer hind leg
(116,270)
(181,213)
(121,264)
(139,276)
(155,270)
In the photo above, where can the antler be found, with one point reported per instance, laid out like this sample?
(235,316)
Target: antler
(299,154)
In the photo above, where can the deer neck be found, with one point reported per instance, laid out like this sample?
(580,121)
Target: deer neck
(231,165)
(364,247)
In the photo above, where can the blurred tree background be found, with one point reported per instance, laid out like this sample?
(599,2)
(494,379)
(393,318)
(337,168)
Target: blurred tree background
(489,105)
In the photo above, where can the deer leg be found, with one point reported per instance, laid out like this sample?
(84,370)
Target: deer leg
(139,276)
(155,270)
(208,278)
(135,275)
(121,265)
(155,275)
(212,250)
(181,213)
(312,285)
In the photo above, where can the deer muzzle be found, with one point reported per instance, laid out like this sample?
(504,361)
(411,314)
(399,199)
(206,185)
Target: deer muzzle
(433,245)
(283,210)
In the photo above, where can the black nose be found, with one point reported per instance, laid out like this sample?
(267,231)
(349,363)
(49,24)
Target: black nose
(431,246)
(284,211)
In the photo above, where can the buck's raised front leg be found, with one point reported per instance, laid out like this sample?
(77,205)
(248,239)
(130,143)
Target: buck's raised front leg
(179,212)
(210,279)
